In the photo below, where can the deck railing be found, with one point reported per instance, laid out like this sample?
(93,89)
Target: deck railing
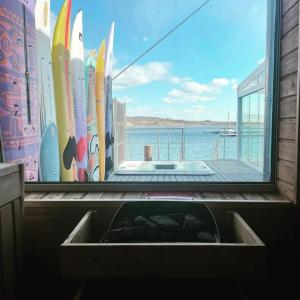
(181,144)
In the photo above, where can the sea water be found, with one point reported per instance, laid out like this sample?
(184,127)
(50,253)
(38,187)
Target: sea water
(196,143)
(193,143)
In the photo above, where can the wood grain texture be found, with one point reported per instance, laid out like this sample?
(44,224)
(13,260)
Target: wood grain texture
(287,190)
(10,187)
(286,172)
(18,235)
(287,5)
(82,231)
(7,252)
(289,63)
(243,232)
(36,196)
(179,260)
(73,196)
(289,42)
(288,107)
(93,196)
(287,151)
(290,20)
(50,196)
(7,169)
(288,86)
(48,224)
(287,129)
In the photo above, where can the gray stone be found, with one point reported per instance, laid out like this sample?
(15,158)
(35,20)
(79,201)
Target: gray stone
(192,224)
(179,218)
(151,228)
(165,222)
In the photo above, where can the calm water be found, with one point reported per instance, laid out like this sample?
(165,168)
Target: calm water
(197,143)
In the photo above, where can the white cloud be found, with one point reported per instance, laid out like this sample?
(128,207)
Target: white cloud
(179,80)
(220,82)
(192,91)
(142,74)
(196,87)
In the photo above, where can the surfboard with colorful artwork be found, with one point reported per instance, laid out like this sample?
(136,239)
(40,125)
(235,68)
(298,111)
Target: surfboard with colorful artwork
(49,150)
(92,130)
(109,139)
(100,108)
(79,95)
(63,94)
(19,109)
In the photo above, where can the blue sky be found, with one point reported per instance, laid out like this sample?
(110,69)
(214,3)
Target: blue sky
(193,74)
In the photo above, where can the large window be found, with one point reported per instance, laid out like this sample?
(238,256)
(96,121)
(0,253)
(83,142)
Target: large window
(252,122)
(138,91)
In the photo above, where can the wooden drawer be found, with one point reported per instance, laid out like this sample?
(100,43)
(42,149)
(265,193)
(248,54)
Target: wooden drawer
(11,217)
(241,254)
(11,183)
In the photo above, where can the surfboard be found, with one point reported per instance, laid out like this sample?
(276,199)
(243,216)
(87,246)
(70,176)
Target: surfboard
(92,130)
(19,110)
(49,169)
(109,139)
(63,94)
(79,96)
(100,108)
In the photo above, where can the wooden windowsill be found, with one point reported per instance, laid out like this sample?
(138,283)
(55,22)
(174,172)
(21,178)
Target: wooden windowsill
(116,199)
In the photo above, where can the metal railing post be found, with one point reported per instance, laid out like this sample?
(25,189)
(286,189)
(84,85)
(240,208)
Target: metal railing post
(182,145)
(169,144)
(158,144)
(224,142)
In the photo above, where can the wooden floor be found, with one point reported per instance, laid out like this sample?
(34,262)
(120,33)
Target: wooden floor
(225,171)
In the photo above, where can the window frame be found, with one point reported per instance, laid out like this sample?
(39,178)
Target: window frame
(272,92)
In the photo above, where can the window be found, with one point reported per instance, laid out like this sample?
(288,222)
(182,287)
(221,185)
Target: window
(195,107)
(252,123)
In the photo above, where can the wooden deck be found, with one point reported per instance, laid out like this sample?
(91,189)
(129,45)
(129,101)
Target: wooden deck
(225,171)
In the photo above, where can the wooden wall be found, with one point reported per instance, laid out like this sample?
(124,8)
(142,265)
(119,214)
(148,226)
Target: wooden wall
(289,98)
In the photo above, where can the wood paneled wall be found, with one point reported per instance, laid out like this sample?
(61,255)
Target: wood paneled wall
(289,98)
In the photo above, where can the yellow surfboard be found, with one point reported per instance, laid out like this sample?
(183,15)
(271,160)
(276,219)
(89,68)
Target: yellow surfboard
(63,94)
(100,107)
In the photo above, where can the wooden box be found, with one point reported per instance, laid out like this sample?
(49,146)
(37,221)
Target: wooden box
(241,254)
(11,216)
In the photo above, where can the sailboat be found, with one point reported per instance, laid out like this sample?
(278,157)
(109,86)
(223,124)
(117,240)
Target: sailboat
(229,132)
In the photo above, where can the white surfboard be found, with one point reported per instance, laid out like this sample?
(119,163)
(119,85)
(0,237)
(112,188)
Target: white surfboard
(109,139)
(49,151)
(79,95)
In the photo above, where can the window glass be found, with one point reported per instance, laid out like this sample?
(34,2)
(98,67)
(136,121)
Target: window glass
(134,91)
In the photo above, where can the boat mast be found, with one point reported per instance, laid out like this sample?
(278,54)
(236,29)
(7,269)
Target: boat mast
(228,120)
